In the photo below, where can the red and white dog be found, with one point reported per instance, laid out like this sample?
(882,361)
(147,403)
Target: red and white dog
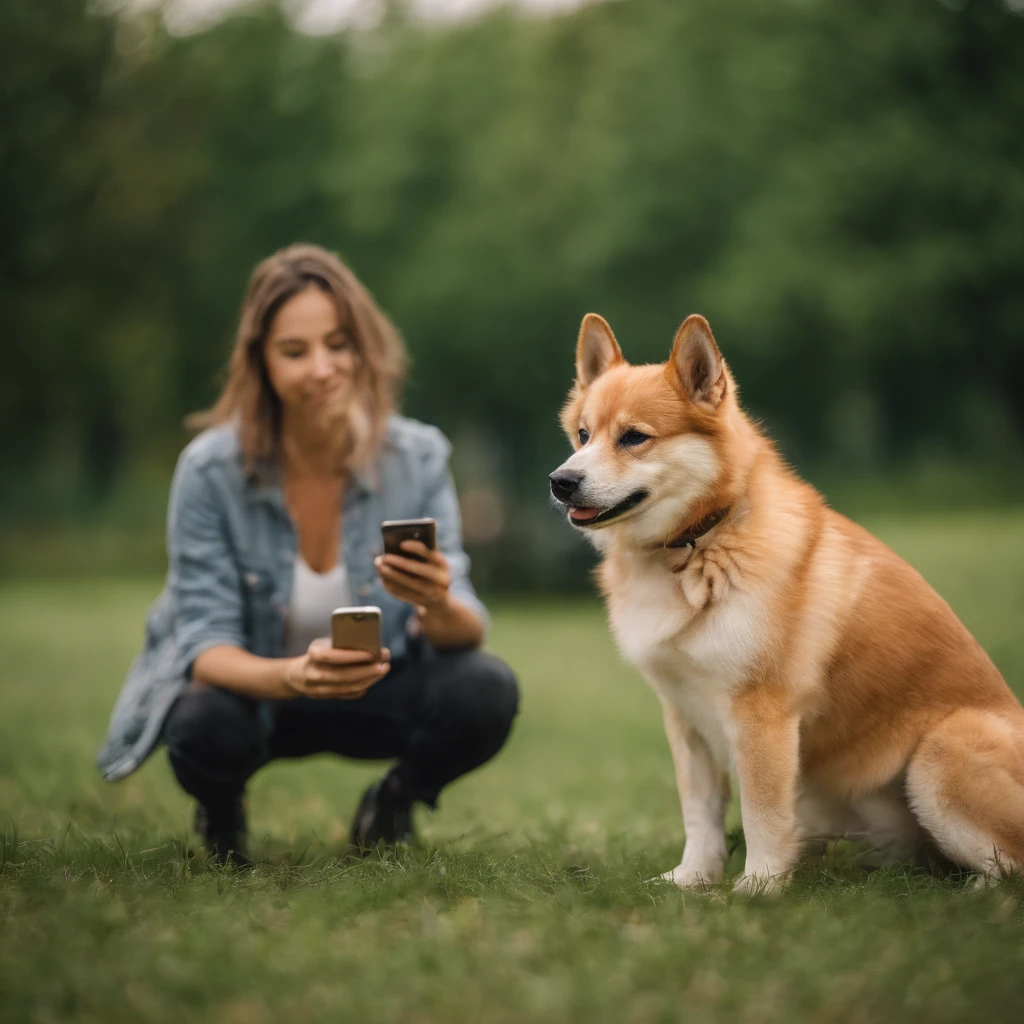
(786,643)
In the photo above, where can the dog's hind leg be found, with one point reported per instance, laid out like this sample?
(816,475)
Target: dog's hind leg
(704,796)
(965,784)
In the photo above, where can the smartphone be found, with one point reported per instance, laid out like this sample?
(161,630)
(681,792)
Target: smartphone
(357,629)
(395,531)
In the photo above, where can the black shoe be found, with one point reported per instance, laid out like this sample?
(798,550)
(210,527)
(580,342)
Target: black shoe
(383,816)
(224,832)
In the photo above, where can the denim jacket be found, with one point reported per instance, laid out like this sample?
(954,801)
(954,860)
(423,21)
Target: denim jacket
(231,548)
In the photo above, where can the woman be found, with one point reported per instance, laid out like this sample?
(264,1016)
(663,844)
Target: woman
(274,520)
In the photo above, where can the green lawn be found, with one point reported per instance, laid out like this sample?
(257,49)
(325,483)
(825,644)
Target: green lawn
(529,899)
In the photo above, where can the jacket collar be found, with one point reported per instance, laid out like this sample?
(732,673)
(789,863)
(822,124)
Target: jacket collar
(265,483)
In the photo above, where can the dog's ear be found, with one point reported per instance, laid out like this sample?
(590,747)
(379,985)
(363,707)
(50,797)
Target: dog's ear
(698,363)
(596,350)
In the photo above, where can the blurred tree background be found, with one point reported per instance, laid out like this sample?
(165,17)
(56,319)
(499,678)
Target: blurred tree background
(838,187)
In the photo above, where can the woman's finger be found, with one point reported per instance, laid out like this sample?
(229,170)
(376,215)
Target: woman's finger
(356,694)
(320,678)
(353,694)
(420,570)
(415,584)
(346,691)
(339,694)
(358,678)
(432,555)
(411,596)
(340,656)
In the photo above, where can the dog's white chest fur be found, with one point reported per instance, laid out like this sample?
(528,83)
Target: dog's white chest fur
(693,657)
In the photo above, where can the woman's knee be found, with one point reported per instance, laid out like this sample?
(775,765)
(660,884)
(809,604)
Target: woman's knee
(504,689)
(480,691)
(214,730)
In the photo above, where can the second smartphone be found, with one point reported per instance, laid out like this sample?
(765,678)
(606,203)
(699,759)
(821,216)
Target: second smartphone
(357,629)
(394,531)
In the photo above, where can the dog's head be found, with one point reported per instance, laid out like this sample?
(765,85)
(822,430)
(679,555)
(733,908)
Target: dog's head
(651,441)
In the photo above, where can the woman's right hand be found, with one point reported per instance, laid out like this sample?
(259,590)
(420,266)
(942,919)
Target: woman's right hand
(332,673)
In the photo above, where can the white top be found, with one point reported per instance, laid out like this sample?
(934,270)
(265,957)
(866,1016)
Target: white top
(314,596)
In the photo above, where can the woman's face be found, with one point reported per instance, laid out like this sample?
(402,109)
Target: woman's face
(310,356)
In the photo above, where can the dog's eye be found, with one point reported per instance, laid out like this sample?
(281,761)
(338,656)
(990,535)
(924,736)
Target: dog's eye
(583,436)
(631,438)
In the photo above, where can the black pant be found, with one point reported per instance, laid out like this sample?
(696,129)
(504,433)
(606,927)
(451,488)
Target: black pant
(440,714)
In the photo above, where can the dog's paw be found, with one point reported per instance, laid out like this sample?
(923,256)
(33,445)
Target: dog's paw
(690,878)
(759,885)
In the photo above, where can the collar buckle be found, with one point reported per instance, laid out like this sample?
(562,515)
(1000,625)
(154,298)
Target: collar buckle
(689,537)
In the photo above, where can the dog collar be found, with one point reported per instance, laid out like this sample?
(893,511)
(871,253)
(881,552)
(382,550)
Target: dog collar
(689,537)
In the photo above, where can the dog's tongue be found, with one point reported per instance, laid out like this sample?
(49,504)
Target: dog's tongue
(581,515)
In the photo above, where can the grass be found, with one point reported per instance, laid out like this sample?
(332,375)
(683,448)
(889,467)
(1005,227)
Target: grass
(529,898)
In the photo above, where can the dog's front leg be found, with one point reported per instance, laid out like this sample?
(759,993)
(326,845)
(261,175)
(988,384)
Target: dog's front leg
(704,795)
(767,755)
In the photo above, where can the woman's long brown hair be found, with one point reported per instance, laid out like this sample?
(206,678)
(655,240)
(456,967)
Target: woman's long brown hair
(248,398)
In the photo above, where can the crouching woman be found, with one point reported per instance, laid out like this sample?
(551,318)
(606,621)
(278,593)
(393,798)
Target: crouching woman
(274,520)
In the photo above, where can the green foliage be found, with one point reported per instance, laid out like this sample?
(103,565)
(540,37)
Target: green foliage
(530,898)
(837,186)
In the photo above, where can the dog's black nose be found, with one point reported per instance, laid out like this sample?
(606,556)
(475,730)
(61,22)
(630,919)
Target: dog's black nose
(564,483)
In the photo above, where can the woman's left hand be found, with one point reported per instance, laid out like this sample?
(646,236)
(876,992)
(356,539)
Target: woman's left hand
(423,584)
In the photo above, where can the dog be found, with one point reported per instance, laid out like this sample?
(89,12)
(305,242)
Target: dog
(786,643)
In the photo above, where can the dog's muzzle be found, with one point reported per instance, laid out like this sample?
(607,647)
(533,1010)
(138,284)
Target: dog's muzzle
(565,487)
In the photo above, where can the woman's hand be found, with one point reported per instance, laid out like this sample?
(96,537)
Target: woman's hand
(331,673)
(422,584)
(445,620)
